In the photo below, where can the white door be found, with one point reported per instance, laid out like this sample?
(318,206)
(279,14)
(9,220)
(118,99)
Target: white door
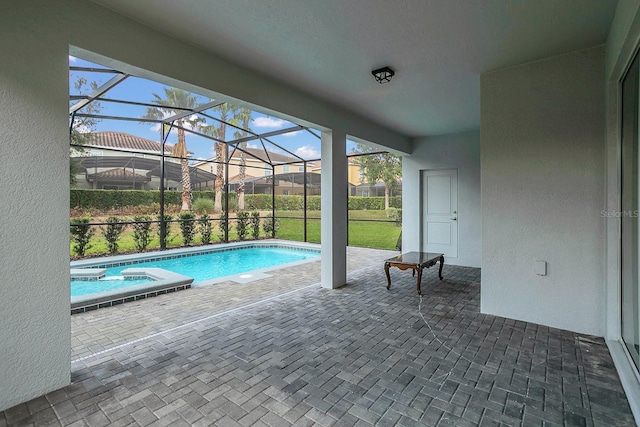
(440,212)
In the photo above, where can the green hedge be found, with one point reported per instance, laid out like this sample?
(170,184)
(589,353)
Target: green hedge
(360,203)
(109,199)
(295,203)
(285,203)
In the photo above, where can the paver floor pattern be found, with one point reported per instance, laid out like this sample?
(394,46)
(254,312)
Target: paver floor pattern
(240,355)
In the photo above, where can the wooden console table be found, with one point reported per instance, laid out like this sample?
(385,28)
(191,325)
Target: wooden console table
(417,261)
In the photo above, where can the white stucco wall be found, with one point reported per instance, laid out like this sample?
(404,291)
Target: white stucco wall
(459,151)
(542,152)
(36,37)
(35,337)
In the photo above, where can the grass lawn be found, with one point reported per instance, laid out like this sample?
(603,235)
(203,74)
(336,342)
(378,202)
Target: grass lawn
(380,235)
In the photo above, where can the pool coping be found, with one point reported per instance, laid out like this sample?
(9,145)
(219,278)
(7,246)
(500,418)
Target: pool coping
(165,281)
(162,281)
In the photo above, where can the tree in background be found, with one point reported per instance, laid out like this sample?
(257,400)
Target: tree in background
(175,102)
(243,116)
(227,115)
(376,167)
(82,128)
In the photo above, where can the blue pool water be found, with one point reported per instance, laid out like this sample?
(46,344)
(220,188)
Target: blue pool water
(199,266)
(86,287)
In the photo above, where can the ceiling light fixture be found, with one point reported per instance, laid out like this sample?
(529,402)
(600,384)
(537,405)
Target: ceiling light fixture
(383,75)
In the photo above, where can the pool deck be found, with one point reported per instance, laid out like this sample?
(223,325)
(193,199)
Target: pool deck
(283,351)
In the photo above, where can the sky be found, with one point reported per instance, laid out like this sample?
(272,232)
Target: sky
(136,89)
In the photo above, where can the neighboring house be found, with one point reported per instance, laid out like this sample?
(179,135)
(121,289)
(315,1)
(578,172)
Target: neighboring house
(259,170)
(358,186)
(354,174)
(120,161)
(286,184)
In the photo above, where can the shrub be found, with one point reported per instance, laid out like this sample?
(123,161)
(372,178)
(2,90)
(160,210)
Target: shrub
(222,225)
(366,203)
(109,199)
(146,202)
(255,225)
(257,201)
(141,232)
(81,233)
(111,232)
(289,203)
(372,203)
(391,213)
(203,206)
(270,226)
(206,228)
(241,224)
(168,238)
(187,226)
(399,218)
(313,203)
(395,214)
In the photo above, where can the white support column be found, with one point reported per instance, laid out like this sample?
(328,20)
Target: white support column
(334,201)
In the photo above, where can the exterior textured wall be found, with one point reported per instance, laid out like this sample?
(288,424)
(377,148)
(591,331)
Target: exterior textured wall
(35,337)
(459,151)
(542,153)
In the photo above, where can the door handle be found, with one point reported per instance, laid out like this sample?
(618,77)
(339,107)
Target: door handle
(454,219)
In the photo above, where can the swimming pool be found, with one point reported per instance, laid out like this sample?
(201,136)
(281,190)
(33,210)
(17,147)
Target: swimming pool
(160,271)
(200,266)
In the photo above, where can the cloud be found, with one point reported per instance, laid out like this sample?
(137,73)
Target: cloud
(80,127)
(292,133)
(72,58)
(308,152)
(249,145)
(268,122)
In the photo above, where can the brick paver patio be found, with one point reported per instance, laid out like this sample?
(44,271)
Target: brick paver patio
(283,351)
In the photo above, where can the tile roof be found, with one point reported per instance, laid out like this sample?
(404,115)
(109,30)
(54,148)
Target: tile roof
(126,141)
(236,178)
(120,173)
(259,152)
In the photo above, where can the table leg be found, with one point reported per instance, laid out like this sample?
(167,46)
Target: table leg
(441,264)
(386,270)
(419,279)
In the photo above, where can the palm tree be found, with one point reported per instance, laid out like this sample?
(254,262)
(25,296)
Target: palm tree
(243,116)
(174,102)
(227,115)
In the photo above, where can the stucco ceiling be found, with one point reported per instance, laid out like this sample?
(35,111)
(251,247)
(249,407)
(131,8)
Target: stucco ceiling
(328,48)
